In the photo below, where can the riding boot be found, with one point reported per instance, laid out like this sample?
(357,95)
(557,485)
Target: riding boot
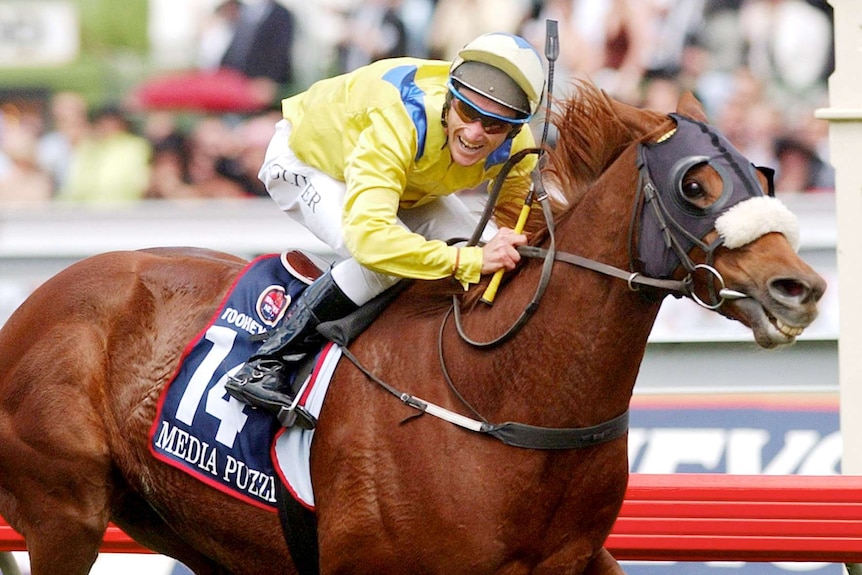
(264,381)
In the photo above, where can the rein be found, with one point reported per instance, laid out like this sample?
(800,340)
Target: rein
(648,194)
(510,433)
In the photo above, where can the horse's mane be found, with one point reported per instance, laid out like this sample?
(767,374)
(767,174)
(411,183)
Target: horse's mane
(592,131)
(590,135)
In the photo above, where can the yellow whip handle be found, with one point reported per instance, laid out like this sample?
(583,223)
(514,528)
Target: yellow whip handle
(491,290)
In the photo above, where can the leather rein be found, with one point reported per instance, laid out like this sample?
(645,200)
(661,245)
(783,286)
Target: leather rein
(551,438)
(534,437)
(647,195)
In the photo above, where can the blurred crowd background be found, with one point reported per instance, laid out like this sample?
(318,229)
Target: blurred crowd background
(131,116)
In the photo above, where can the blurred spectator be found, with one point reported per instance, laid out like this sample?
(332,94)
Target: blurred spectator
(697,74)
(22,181)
(217,33)
(721,35)
(252,138)
(731,117)
(262,46)
(169,169)
(416,14)
(456,22)
(761,125)
(793,70)
(111,164)
(159,124)
(605,41)
(319,29)
(660,92)
(256,65)
(210,141)
(69,126)
(672,25)
(373,30)
(799,169)
(814,131)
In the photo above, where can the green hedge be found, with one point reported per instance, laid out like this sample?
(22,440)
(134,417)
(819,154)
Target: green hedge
(113,57)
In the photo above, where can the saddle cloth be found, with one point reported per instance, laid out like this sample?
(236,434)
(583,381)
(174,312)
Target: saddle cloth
(201,430)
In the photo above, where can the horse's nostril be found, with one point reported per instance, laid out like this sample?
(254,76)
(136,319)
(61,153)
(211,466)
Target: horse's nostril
(800,290)
(791,288)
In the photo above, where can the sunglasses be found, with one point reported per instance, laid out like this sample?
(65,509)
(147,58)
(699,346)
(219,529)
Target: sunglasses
(469,113)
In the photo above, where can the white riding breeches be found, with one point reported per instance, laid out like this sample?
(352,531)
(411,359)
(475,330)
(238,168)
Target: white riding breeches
(315,200)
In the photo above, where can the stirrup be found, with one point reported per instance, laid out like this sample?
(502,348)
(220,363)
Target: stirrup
(295,414)
(287,411)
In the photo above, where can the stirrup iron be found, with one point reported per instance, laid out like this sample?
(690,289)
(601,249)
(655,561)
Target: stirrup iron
(295,414)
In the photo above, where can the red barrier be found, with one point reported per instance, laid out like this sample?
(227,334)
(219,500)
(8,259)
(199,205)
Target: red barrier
(116,541)
(694,517)
(698,517)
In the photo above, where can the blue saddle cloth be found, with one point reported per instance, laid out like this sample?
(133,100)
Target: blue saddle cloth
(202,430)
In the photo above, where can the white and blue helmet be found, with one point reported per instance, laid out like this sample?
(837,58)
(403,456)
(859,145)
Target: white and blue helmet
(504,68)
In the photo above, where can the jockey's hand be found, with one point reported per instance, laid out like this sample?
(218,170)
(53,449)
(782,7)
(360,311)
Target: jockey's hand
(501,253)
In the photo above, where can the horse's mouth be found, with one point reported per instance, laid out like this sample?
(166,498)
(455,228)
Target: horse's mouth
(788,330)
(768,329)
(773,331)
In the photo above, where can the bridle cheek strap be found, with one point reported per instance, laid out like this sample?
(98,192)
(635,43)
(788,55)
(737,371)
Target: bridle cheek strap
(750,219)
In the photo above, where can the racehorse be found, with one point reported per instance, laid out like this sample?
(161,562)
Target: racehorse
(645,205)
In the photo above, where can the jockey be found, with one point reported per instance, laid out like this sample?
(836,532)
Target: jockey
(368,162)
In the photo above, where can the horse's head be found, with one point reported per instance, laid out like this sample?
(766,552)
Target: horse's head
(703,217)
(709,216)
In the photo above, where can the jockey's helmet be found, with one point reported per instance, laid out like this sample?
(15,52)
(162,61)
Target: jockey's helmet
(504,68)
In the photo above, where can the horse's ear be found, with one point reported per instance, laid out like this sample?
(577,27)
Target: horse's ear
(689,106)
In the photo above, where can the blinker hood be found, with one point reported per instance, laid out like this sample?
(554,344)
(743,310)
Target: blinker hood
(671,224)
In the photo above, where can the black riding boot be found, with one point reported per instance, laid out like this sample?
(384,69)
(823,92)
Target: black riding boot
(263,382)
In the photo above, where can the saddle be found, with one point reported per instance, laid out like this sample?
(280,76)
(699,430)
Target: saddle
(307,268)
(304,267)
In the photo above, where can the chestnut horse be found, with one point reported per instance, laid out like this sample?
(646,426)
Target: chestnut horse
(400,491)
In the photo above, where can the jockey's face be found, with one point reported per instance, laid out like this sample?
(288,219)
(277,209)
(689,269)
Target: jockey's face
(472,138)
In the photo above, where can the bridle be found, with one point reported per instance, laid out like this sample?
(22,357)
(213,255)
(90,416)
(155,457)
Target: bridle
(659,243)
(669,227)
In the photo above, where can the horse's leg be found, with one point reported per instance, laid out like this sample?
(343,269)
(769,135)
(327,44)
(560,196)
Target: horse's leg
(143,523)
(604,564)
(63,530)
(63,535)
(55,464)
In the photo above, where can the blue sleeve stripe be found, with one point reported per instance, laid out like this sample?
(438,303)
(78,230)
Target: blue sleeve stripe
(404,79)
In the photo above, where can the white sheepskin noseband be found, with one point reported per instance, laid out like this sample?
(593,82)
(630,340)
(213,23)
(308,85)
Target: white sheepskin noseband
(748,220)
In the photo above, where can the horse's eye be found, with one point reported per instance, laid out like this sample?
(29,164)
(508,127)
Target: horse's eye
(692,190)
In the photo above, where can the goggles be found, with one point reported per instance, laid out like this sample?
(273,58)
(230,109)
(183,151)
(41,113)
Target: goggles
(491,123)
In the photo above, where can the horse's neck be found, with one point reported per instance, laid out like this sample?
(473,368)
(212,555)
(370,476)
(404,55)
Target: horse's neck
(579,354)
